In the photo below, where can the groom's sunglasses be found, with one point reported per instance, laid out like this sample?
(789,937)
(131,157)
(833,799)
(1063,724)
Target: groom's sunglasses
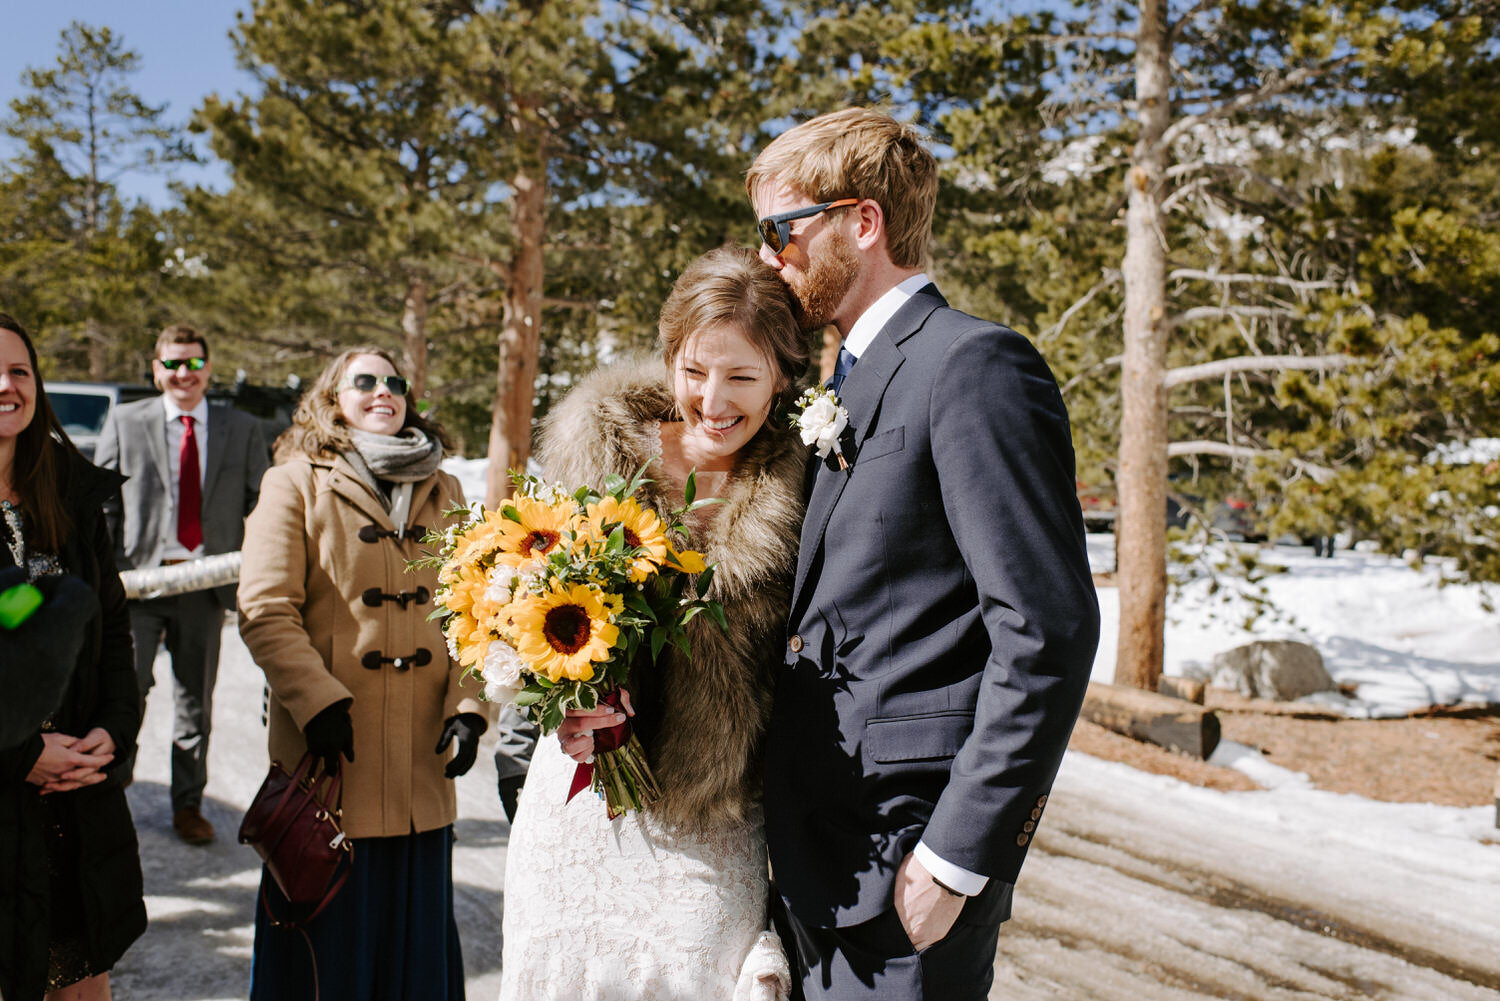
(776,230)
(173,364)
(366,382)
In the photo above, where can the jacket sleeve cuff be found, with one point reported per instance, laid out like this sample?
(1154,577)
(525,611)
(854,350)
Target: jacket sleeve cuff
(945,872)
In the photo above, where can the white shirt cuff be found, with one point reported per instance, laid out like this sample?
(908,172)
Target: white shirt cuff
(945,872)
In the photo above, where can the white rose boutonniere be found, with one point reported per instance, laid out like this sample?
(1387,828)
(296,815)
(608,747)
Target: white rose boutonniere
(822,418)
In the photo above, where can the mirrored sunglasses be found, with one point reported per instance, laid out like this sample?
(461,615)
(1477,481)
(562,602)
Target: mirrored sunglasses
(173,364)
(365,382)
(776,231)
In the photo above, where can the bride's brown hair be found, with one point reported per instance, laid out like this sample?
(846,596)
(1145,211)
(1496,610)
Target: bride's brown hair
(733,286)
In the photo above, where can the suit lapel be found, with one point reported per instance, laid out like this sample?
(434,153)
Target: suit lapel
(156,439)
(864,390)
(218,446)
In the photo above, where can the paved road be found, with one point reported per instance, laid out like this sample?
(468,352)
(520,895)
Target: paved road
(1138,888)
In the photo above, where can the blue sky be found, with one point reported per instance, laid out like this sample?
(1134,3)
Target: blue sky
(183,45)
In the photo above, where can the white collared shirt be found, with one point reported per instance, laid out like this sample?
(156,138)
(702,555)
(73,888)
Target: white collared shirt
(174,550)
(874,319)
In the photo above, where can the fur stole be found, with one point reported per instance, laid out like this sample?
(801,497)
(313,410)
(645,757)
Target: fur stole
(703,721)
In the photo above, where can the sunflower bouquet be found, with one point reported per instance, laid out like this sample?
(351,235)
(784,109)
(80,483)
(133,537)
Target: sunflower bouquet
(551,598)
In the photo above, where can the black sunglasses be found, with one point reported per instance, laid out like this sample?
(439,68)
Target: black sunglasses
(365,382)
(173,364)
(776,230)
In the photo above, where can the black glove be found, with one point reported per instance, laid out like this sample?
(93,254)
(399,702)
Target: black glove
(466,728)
(510,792)
(330,734)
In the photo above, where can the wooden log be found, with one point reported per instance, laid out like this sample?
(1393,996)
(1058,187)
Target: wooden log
(180,578)
(1158,719)
(1187,689)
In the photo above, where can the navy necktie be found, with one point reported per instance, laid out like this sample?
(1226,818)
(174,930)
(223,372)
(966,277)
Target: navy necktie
(841,369)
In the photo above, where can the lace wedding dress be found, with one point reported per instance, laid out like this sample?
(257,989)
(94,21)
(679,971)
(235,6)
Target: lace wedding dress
(622,910)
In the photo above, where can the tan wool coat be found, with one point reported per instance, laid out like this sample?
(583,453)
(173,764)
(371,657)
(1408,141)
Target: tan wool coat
(304,617)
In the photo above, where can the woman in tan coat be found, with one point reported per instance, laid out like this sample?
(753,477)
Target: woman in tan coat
(358,673)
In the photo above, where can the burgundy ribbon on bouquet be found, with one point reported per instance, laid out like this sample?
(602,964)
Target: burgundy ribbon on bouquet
(606,739)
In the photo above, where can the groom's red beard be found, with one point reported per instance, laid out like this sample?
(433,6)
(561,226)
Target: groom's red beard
(819,294)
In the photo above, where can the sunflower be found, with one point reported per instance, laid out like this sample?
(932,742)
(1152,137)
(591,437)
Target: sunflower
(539,532)
(476,546)
(645,535)
(562,633)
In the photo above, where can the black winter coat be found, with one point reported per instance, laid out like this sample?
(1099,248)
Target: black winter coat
(103,692)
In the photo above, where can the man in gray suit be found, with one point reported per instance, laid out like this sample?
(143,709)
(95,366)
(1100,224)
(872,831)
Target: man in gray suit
(193,475)
(943,618)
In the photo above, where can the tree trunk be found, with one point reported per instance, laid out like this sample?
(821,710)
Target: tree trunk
(98,351)
(1142,476)
(515,379)
(414,336)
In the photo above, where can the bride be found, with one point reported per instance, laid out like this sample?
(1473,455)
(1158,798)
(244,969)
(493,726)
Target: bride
(671,903)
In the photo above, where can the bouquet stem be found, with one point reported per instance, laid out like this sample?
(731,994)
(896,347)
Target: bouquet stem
(623,778)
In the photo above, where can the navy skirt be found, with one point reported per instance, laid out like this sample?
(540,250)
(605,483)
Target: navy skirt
(388,936)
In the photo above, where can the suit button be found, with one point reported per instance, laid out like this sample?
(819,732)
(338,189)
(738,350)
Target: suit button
(1041,800)
(796,644)
(1029,826)
(1036,814)
(1021,839)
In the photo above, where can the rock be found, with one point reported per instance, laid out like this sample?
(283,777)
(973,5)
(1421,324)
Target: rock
(1272,669)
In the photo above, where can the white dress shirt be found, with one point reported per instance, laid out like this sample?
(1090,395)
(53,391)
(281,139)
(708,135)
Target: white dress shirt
(174,549)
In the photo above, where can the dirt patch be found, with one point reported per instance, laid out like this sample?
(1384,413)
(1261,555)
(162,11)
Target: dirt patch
(1443,756)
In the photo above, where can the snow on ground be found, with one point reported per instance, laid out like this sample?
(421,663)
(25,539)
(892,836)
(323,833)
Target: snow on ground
(1405,641)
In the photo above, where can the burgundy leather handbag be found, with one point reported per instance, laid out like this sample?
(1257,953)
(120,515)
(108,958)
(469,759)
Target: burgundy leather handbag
(293,825)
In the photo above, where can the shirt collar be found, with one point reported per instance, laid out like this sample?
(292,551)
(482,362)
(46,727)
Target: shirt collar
(199,414)
(874,319)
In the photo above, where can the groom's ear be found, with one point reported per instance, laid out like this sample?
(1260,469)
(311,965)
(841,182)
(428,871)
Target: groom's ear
(871,230)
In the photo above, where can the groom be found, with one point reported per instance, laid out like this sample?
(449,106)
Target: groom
(943,620)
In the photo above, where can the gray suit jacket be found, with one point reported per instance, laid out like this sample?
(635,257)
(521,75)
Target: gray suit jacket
(134,441)
(943,621)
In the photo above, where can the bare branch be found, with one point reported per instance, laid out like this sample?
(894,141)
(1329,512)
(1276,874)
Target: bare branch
(1302,285)
(1260,363)
(1250,98)
(1110,362)
(1189,14)
(1068,314)
(1219,312)
(1183,449)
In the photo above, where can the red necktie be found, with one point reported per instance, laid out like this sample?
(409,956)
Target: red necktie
(189,489)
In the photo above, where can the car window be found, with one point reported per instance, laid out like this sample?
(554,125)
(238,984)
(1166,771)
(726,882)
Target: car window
(80,413)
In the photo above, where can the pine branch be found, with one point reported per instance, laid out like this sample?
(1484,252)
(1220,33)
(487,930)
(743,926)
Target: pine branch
(1250,98)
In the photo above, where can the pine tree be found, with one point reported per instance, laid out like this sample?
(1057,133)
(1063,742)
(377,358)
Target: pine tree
(80,263)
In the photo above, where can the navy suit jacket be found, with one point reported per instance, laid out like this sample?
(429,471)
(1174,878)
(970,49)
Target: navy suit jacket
(943,622)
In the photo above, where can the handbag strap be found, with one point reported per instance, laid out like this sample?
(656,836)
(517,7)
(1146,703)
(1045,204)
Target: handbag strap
(300,925)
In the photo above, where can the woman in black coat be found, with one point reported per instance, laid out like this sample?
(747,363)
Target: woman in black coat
(70,871)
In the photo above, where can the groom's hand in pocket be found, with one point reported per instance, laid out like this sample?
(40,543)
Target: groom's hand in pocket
(926,910)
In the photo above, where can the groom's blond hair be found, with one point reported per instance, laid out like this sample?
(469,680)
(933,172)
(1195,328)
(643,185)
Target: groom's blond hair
(859,153)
